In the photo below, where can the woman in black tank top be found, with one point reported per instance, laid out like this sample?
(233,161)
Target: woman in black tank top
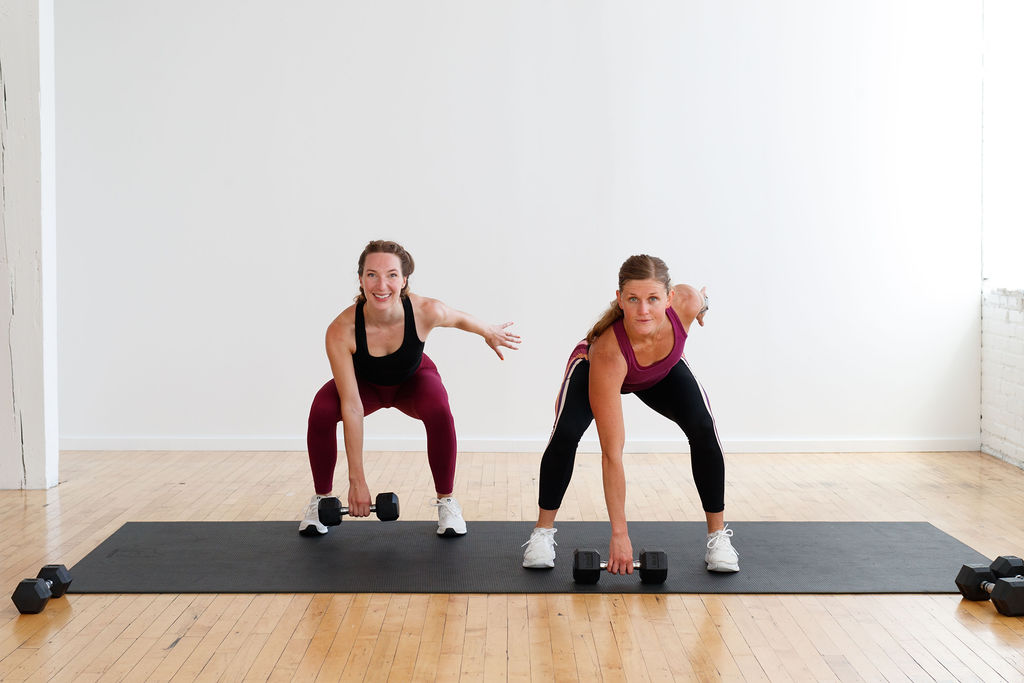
(375,349)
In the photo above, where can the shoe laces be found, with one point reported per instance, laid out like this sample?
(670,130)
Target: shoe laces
(449,504)
(313,508)
(539,533)
(720,537)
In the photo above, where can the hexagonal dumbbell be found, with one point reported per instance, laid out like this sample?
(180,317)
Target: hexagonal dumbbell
(331,510)
(1008,596)
(1007,566)
(31,595)
(587,566)
(1002,582)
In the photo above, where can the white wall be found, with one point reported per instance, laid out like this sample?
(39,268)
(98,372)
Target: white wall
(817,165)
(1003,147)
(1002,375)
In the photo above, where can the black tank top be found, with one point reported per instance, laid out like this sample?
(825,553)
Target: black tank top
(393,368)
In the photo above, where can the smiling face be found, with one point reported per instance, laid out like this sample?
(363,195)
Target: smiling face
(382,279)
(643,304)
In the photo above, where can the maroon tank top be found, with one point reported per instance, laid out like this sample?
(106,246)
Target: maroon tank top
(638,376)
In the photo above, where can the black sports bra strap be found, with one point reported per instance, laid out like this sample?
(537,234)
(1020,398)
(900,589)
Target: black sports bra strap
(410,323)
(360,329)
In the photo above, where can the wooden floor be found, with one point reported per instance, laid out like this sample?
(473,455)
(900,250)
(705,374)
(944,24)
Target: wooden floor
(973,497)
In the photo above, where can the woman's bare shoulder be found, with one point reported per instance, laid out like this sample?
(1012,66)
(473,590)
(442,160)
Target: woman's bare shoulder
(605,350)
(344,325)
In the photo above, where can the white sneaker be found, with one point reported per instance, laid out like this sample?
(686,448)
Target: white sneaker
(540,549)
(721,556)
(310,524)
(449,517)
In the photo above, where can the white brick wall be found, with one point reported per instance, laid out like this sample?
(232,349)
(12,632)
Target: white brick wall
(1002,375)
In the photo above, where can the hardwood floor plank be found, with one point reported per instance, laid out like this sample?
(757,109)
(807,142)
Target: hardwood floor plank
(498,637)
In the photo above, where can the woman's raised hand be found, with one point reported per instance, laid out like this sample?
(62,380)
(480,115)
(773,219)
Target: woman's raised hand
(703,307)
(499,335)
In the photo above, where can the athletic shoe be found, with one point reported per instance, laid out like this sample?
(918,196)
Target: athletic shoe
(721,556)
(540,549)
(310,524)
(449,517)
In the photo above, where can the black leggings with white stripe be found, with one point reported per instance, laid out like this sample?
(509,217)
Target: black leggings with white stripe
(678,396)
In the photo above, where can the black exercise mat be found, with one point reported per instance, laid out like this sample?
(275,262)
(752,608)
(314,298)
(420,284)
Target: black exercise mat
(369,556)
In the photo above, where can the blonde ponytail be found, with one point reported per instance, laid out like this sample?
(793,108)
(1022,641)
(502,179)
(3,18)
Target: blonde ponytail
(607,320)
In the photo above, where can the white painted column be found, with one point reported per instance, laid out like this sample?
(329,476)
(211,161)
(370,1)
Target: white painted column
(28,293)
(1002,328)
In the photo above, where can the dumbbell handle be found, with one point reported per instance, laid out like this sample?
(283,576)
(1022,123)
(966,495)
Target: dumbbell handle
(989,586)
(344,510)
(604,564)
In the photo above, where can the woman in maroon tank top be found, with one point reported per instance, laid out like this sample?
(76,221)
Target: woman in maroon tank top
(375,348)
(636,347)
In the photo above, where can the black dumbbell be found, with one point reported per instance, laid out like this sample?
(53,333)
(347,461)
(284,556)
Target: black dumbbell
(331,510)
(1002,582)
(972,576)
(587,566)
(31,595)
(1007,566)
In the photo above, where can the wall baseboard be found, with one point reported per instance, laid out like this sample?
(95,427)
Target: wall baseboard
(522,445)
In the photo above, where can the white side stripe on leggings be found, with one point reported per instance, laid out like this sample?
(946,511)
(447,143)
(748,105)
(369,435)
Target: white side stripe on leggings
(562,393)
(707,402)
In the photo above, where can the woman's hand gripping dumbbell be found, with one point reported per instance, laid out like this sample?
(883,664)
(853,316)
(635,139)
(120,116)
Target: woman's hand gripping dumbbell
(331,510)
(587,566)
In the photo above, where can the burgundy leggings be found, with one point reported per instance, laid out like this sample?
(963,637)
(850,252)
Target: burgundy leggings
(422,396)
